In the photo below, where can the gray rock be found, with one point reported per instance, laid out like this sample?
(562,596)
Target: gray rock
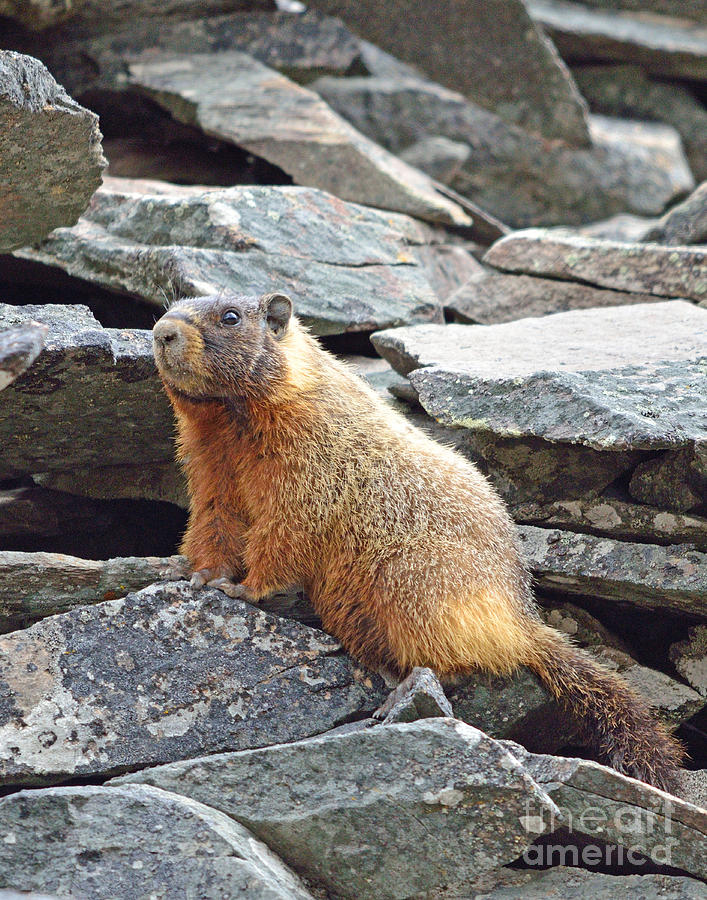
(50,153)
(578,884)
(692,786)
(449,266)
(610,517)
(489,298)
(239,100)
(676,480)
(440,157)
(19,347)
(521,179)
(92,397)
(159,481)
(689,9)
(645,575)
(635,267)
(458,44)
(134,842)
(436,784)
(627,91)
(690,658)
(622,227)
(685,223)
(618,378)
(419,696)
(356,269)
(667,47)
(36,585)
(38,14)
(598,803)
(166,674)
(40,512)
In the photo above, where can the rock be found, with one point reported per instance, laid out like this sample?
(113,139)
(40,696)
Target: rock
(617,379)
(93,398)
(598,803)
(458,44)
(645,575)
(357,269)
(610,517)
(577,884)
(38,14)
(521,179)
(19,347)
(667,47)
(688,9)
(239,100)
(38,512)
(438,156)
(36,585)
(165,674)
(624,227)
(627,91)
(419,696)
(134,841)
(449,266)
(690,658)
(685,223)
(50,153)
(635,267)
(692,786)
(160,481)
(397,787)
(676,480)
(489,298)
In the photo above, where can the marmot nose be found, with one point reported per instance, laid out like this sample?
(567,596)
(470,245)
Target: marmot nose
(167,333)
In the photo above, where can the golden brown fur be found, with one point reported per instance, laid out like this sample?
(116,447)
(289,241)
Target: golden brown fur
(299,474)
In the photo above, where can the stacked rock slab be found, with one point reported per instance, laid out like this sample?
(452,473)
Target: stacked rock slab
(50,153)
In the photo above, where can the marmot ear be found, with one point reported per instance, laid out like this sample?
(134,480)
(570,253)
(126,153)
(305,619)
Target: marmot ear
(277,309)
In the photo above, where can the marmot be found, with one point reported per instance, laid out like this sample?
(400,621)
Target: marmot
(299,473)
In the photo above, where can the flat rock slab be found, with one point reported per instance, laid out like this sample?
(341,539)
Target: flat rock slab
(458,43)
(346,267)
(651,268)
(609,517)
(490,298)
(92,397)
(578,884)
(50,153)
(132,843)
(19,347)
(597,802)
(646,575)
(667,47)
(235,98)
(36,585)
(636,167)
(620,378)
(166,674)
(445,801)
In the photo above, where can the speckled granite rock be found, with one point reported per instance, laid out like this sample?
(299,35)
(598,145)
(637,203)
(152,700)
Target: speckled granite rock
(609,517)
(82,401)
(667,47)
(690,658)
(165,674)
(489,298)
(238,99)
(19,347)
(630,166)
(357,269)
(650,268)
(135,842)
(50,153)
(645,575)
(599,803)
(571,883)
(452,780)
(36,585)
(619,378)
(458,44)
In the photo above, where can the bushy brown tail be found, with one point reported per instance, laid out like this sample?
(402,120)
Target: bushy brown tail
(613,720)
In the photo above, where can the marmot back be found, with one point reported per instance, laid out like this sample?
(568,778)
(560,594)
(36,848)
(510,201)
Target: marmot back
(300,474)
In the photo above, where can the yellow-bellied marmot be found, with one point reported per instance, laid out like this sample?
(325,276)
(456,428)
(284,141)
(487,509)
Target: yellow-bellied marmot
(299,474)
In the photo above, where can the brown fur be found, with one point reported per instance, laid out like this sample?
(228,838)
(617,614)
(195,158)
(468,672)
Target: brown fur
(299,474)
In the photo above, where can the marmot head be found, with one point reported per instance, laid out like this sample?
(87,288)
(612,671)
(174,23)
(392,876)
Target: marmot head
(222,346)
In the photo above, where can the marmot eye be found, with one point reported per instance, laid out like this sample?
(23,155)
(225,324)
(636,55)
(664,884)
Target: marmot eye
(231,317)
